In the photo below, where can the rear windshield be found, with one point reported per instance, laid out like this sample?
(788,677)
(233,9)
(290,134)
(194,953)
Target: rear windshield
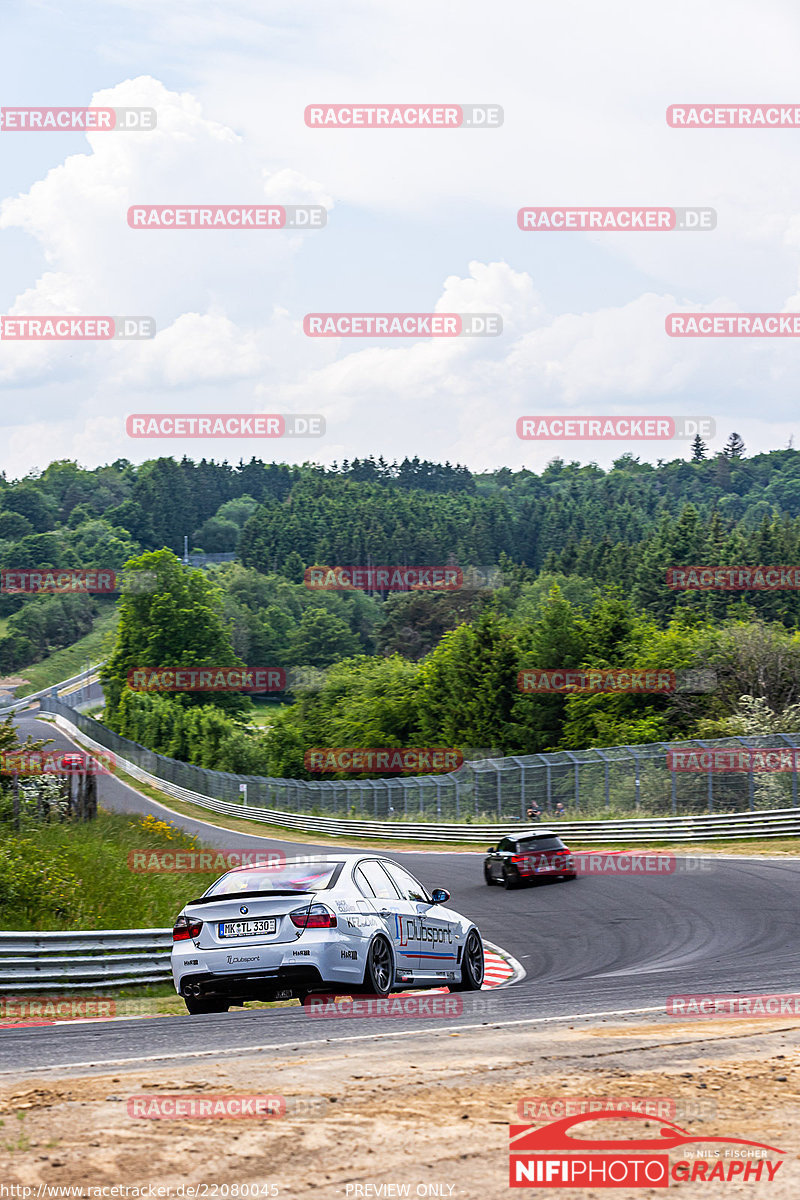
(530,845)
(308,877)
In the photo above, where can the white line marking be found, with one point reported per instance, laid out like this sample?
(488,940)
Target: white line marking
(361,1037)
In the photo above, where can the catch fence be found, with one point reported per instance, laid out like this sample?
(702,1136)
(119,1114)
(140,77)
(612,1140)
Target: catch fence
(607,783)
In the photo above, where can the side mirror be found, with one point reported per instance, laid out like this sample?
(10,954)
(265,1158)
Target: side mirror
(440,896)
(490,850)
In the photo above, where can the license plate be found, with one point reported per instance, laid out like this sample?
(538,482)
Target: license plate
(233,929)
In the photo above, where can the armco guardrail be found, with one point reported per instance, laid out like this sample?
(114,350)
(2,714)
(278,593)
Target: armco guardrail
(718,826)
(631,781)
(41,962)
(55,689)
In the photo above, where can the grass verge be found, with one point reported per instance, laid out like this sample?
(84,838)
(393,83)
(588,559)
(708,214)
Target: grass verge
(100,890)
(72,659)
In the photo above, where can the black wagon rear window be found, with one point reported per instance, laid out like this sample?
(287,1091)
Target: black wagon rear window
(531,845)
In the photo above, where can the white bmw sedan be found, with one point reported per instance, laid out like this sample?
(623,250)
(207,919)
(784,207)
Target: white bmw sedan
(354,923)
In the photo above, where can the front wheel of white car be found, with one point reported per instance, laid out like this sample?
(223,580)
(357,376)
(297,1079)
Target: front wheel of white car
(379,969)
(471,965)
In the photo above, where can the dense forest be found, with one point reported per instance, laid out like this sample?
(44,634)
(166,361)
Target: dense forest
(580,557)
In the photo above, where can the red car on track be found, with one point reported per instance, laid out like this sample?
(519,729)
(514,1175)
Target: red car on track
(527,858)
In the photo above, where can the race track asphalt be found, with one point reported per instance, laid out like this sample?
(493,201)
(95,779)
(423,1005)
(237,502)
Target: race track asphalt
(604,944)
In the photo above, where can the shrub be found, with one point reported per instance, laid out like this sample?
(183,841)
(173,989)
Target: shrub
(33,883)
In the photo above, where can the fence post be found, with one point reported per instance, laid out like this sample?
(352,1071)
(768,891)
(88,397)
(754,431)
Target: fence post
(521,766)
(605,775)
(636,780)
(674,774)
(90,798)
(577,785)
(794,766)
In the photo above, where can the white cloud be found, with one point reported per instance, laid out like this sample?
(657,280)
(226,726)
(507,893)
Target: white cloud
(426,217)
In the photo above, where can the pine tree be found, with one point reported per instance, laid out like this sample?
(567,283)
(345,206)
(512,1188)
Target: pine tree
(699,449)
(734,447)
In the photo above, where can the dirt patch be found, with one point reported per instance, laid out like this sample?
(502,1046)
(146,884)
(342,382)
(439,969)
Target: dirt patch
(429,1112)
(8,683)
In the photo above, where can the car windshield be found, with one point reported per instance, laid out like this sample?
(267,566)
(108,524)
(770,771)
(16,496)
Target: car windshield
(305,877)
(531,845)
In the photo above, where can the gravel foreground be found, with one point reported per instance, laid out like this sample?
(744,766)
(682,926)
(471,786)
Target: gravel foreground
(416,1115)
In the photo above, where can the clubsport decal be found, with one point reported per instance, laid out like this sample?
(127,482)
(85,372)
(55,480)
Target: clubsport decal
(412,932)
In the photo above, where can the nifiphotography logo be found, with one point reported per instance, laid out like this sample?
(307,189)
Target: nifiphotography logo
(550,1156)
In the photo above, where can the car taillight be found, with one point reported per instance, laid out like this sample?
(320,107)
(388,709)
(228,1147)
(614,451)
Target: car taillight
(186,928)
(317,916)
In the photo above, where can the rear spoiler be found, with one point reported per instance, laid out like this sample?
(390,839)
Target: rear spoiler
(246,895)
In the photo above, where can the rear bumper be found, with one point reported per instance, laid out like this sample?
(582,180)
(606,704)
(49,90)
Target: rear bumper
(536,876)
(260,985)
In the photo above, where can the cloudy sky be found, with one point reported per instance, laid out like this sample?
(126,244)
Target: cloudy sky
(419,221)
